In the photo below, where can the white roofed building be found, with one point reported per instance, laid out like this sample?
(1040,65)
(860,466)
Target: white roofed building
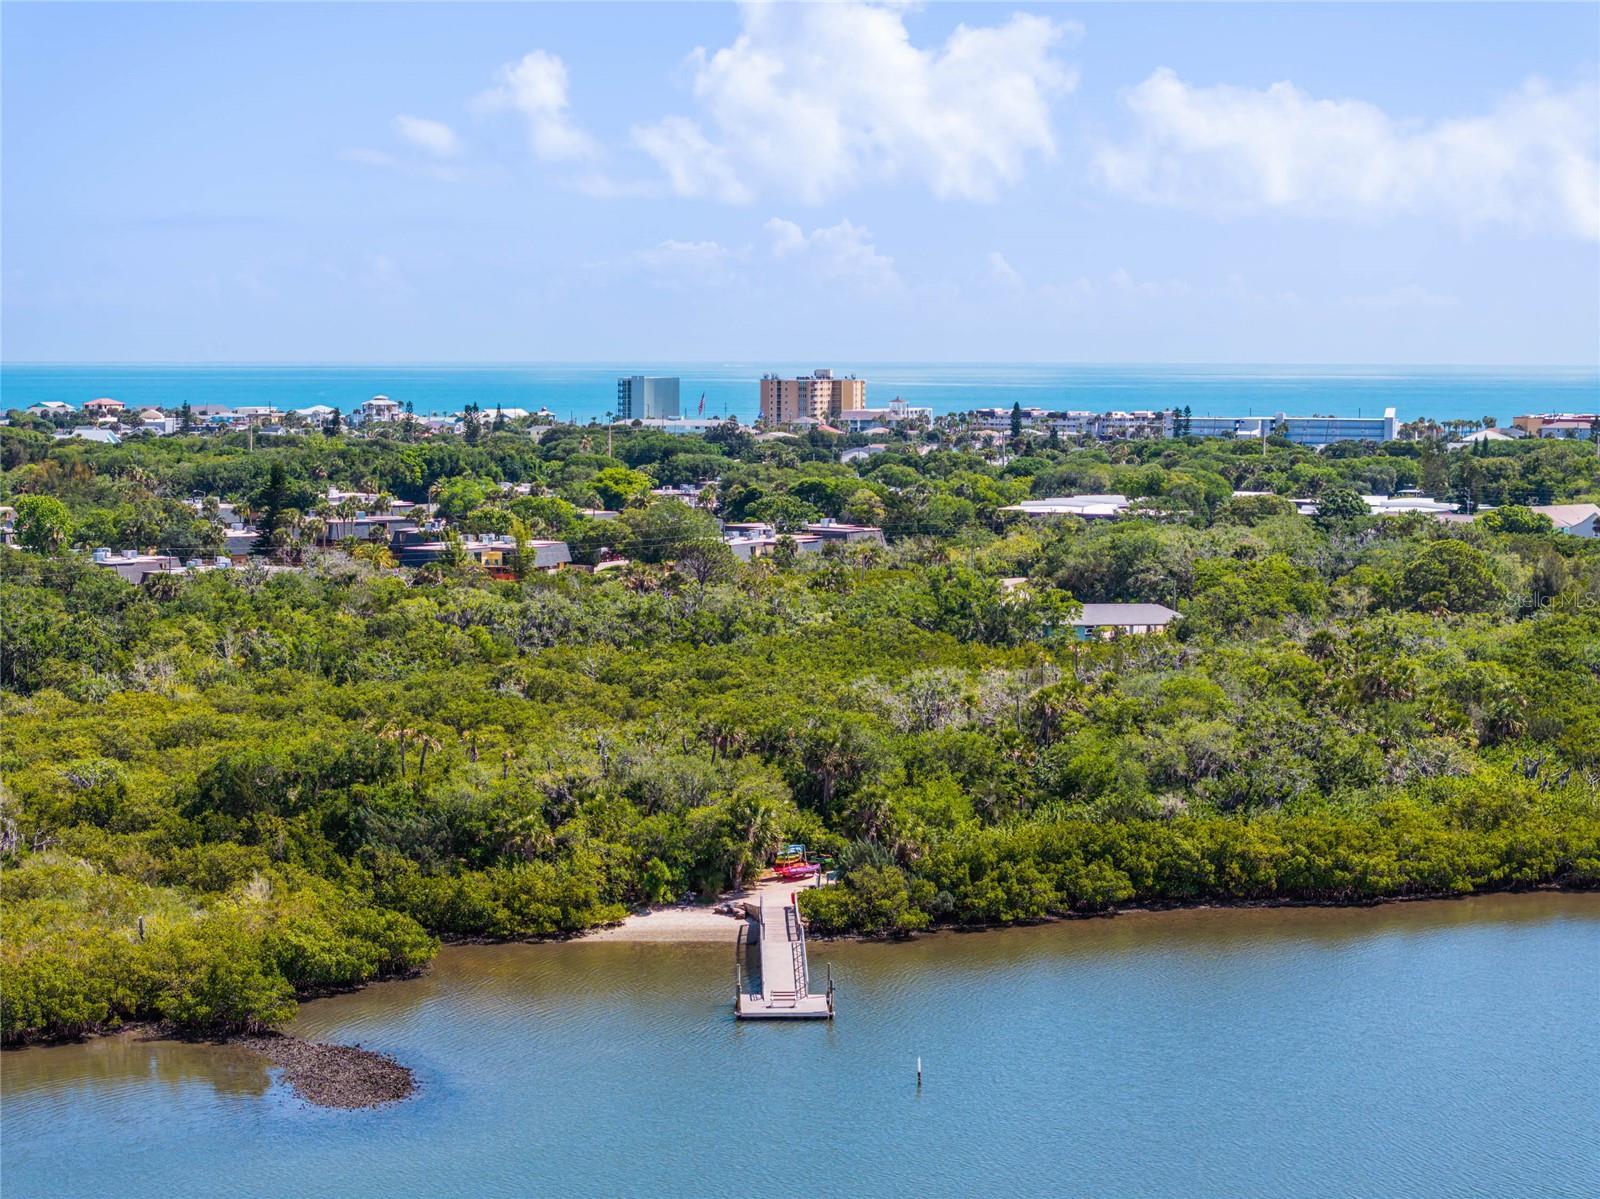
(1109,620)
(1578,520)
(377,410)
(1088,507)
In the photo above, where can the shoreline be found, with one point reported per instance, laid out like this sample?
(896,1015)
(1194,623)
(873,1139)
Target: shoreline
(1212,905)
(688,925)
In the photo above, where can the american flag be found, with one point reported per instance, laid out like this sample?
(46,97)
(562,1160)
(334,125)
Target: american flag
(702,409)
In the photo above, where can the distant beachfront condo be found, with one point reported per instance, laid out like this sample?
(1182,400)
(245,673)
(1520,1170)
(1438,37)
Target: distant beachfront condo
(1578,425)
(879,420)
(647,397)
(1300,430)
(817,396)
(1315,431)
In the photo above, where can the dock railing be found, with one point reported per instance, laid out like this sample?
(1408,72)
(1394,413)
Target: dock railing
(798,948)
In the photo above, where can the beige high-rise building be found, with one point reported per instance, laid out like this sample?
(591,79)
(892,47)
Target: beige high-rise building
(817,396)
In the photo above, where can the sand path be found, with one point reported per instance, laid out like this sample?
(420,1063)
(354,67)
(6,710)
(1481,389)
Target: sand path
(683,922)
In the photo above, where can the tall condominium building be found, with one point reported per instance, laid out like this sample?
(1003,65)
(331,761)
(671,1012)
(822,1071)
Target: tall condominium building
(645,397)
(817,396)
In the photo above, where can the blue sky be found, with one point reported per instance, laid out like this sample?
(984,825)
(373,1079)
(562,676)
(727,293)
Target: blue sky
(1270,183)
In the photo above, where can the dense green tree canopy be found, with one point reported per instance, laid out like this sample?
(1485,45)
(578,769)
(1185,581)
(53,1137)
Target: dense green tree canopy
(294,779)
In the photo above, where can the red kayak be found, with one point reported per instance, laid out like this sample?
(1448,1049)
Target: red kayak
(793,871)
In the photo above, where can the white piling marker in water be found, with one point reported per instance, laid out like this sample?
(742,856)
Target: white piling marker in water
(919,1074)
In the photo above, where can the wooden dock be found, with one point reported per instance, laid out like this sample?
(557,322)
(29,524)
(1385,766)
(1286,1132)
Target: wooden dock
(784,989)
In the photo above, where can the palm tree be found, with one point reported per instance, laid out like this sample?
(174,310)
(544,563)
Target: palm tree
(400,735)
(454,560)
(427,742)
(521,534)
(758,824)
(374,553)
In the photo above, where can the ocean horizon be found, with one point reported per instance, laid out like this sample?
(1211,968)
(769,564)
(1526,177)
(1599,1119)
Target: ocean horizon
(583,391)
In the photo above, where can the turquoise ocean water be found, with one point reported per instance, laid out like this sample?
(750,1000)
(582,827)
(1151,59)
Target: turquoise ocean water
(588,390)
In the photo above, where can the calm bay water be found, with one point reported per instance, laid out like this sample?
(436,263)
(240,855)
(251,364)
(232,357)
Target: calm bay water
(1440,1049)
(582,391)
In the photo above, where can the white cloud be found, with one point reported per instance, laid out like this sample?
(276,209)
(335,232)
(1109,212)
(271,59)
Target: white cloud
(841,253)
(1531,162)
(536,87)
(435,137)
(1000,272)
(693,165)
(813,99)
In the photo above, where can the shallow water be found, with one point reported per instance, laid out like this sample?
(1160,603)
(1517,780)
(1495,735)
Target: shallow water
(1443,1049)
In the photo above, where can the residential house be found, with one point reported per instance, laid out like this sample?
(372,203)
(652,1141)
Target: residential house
(860,420)
(240,543)
(858,453)
(495,552)
(835,530)
(1405,501)
(1113,620)
(90,433)
(750,540)
(1087,507)
(134,566)
(103,407)
(700,425)
(377,410)
(1559,424)
(375,526)
(1577,520)
(688,493)
(1487,436)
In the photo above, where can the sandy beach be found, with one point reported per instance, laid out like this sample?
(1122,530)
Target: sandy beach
(697,922)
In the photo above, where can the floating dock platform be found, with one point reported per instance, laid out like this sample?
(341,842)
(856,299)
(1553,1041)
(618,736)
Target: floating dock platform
(785,987)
